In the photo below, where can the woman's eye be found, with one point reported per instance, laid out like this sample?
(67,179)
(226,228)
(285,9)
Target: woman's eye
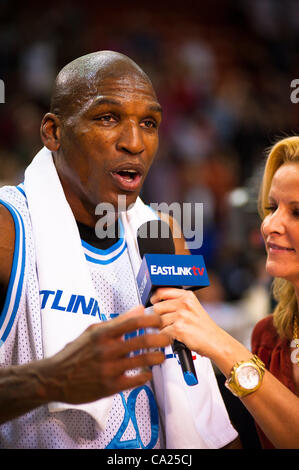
(270,208)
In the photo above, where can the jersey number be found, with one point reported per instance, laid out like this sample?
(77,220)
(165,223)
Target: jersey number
(130,414)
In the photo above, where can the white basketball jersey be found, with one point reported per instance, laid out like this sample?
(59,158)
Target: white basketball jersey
(133,421)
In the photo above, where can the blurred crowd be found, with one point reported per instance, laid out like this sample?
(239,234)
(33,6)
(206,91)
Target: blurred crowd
(222,72)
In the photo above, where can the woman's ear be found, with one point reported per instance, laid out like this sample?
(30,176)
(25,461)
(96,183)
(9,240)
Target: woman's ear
(50,131)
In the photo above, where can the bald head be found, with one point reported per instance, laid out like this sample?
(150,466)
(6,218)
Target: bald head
(79,79)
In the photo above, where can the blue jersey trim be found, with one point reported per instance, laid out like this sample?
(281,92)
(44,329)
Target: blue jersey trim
(18,261)
(108,261)
(98,251)
(20,188)
(109,250)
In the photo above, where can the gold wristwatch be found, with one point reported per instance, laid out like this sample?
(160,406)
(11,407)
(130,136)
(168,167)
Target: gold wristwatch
(246,377)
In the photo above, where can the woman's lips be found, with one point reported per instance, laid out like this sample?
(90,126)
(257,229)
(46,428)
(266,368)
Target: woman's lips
(127,180)
(273,248)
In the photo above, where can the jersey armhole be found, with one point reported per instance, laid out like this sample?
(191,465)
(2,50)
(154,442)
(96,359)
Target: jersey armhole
(16,280)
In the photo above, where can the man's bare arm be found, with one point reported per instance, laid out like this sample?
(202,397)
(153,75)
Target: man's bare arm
(7,242)
(178,237)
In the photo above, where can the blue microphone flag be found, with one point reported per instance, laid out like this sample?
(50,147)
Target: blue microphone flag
(182,271)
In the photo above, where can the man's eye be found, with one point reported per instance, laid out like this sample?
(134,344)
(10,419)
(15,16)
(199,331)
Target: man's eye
(105,118)
(149,124)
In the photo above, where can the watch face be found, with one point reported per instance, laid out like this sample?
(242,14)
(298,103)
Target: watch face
(248,377)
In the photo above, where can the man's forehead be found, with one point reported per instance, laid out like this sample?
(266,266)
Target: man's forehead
(121,89)
(122,84)
(102,74)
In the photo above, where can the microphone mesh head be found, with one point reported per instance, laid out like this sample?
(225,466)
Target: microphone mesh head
(155,237)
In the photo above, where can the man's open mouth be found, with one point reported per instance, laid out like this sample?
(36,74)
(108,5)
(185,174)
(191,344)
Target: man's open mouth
(127,179)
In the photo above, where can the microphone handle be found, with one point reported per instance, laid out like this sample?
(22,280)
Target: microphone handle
(186,361)
(184,354)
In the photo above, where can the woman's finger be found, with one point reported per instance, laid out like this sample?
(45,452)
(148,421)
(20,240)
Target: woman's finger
(166,306)
(166,293)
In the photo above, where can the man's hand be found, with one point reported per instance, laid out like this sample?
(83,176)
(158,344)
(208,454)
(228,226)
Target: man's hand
(93,366)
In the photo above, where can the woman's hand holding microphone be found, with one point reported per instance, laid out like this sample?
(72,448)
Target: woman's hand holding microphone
(184,319)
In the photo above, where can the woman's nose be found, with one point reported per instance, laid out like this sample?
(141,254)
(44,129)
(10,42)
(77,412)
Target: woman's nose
(274,223)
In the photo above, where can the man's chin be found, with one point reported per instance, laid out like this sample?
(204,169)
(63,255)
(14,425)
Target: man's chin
(125,206)
(117,203)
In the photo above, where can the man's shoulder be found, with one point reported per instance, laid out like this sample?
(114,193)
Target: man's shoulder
(178,237)
(7,243)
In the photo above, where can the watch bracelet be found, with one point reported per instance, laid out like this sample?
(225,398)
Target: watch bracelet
(259,363)
(233,386)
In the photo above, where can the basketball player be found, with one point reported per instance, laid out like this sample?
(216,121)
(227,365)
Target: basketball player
(100,137)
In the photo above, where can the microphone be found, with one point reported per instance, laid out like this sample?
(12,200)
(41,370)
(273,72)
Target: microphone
(161,267)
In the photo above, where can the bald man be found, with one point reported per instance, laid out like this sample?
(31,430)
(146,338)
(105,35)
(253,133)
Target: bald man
(100,138)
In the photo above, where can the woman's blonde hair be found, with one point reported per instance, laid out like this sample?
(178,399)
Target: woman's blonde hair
(284,151)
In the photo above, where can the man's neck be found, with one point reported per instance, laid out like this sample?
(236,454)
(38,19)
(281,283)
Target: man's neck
(88,234)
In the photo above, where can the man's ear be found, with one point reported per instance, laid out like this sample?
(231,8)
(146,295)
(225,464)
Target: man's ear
(50,131)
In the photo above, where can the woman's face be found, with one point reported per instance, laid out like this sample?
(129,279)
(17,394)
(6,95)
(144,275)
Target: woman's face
(280,228)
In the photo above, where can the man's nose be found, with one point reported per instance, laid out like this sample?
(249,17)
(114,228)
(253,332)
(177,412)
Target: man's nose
(131,139)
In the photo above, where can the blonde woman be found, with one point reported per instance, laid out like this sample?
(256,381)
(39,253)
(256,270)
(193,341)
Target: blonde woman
(267,378)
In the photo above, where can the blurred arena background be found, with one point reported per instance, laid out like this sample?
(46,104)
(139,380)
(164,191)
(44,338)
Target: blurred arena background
(222,71)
